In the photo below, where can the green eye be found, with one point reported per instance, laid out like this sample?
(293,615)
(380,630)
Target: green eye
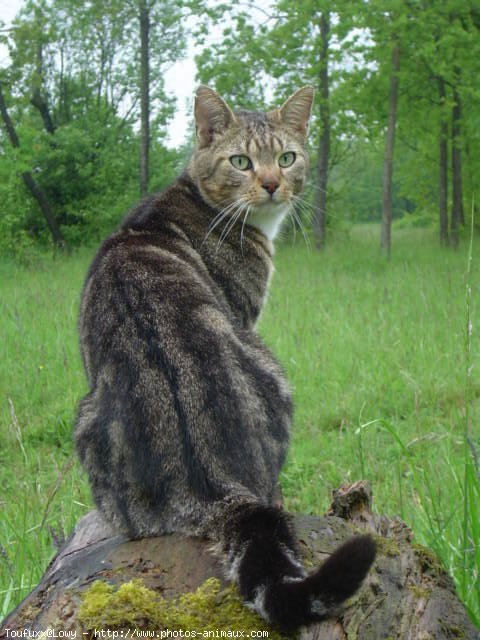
(241,162)
(287,159)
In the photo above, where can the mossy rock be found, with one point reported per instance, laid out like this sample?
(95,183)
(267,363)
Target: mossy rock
(133,606)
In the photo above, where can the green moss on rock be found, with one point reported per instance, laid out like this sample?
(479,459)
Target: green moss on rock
(428,560)
(134,606)
(453,631)
(387,546)
(420,592)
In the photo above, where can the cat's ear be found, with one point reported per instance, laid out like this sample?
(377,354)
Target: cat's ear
(296,111)
(212,115)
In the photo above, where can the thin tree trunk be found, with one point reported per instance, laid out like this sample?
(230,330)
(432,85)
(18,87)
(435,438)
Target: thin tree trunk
(386,228)
(35,190)
(40,103)
(39,195)
(38,100)
(320,219)
(64,107)
(443,168)
(457,217)
(144,96)
(7,121)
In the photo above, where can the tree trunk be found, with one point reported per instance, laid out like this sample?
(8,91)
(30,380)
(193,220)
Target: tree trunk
(35,190)
(406,596)
(386,229)
(457,217)
(40,103)
(144,96)
(39,195)
(320,219)
(38,100)
(443,168)
(64,98)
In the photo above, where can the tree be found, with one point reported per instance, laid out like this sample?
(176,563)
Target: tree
(457,215)
(88,106)
(320,216)
(443,167)
(144,18)
(29,181)
(386,227)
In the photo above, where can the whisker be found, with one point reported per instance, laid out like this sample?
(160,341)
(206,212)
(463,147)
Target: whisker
(304,210)
(230,224)
(225,211)
(310,185)
(249,207)
(304,204)
(312,208)
(221,216)
(294,227)
(300,224)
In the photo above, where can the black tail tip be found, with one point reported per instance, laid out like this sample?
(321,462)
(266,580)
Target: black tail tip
(362,550)
(295,603)
(342,574)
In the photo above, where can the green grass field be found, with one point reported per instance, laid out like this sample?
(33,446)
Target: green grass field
(386,383)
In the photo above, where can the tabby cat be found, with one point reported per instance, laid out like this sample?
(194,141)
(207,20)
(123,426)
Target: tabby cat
(187,421)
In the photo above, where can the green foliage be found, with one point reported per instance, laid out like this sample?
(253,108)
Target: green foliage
(263,55)
(86,159)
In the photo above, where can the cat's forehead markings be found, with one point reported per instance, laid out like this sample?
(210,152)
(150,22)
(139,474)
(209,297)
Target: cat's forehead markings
(252,145)
(277,144)
(263,147)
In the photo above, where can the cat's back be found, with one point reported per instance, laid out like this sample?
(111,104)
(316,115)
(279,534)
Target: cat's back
(144,277)
(163,270)
(156,223)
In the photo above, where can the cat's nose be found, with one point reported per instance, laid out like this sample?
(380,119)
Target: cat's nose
(271,186)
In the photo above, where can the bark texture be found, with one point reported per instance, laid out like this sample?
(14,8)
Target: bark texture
(407,595)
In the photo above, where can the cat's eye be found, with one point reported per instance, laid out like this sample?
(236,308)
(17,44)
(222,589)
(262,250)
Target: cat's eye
(287,159)
(241,162)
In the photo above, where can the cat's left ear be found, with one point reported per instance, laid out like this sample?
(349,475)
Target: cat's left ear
(212,115)
(296,111)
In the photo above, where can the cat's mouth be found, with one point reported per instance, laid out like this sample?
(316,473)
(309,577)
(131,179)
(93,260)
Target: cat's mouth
(270,200)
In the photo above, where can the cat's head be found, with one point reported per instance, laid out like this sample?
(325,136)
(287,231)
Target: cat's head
(251,163)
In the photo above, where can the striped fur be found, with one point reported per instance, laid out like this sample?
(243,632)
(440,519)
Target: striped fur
(186,424)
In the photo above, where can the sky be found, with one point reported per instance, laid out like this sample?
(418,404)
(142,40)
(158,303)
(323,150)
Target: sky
(179,79)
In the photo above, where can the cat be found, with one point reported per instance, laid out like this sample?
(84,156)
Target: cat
(186,424)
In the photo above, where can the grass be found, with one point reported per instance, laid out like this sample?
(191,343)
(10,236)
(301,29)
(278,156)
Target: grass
(386,382)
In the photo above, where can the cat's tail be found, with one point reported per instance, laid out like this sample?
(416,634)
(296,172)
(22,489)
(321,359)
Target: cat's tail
(259,550)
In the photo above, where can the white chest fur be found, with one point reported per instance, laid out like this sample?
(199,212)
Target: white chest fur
(268,218)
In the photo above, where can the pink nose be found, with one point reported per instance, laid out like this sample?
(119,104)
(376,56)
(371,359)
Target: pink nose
(271,186)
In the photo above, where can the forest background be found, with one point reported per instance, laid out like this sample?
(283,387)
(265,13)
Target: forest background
(85,111)
(390,214)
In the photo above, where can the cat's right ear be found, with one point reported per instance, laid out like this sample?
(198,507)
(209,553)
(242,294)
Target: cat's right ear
(212,115)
